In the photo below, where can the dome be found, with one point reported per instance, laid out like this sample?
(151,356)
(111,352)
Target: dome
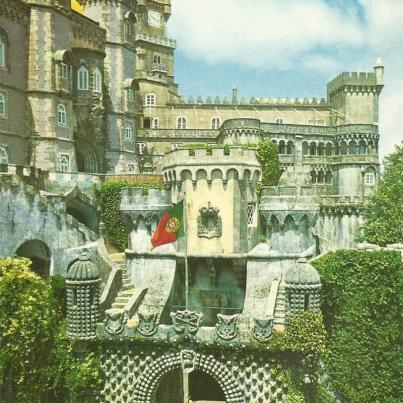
(83,269)
(302,273)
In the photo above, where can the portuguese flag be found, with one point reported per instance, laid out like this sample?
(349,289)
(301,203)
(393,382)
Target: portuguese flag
(170,227)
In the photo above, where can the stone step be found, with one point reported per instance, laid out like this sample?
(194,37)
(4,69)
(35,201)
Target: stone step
(126,287)
(125,294)
(118,305)
(122,300)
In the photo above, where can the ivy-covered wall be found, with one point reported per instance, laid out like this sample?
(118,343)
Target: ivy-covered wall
(109,197)
(362,306)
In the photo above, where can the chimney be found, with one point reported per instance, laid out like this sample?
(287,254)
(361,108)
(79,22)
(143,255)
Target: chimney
(235,96)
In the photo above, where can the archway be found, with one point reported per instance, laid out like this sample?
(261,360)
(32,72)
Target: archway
(86,159)
(40,255)
(147,387)
(203,387)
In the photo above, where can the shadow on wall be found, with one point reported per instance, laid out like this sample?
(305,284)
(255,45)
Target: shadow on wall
(40,255)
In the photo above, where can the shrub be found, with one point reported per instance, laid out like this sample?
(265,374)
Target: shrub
(267,156)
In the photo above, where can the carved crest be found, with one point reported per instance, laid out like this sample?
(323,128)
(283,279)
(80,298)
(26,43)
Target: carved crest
(148,324)
(209,223)
(263,328)
(115,321)
(186,321)
(226,327)
(188,361)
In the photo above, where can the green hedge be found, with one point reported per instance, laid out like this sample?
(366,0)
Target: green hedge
(267,155)
(362,304)
(109,197)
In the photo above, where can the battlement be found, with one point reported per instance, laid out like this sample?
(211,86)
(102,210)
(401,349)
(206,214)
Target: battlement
(352,79)
(156,40)
(191,101)
(145,199)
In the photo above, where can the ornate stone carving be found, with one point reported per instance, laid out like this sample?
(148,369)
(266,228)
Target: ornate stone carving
(148,324)
(209,223)
(263,328)
(186,321)
(115,321)
(188,361)
(226,327)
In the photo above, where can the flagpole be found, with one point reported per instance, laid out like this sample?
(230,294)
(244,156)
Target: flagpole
(186,253)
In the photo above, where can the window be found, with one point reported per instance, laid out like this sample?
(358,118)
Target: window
(129,131)
(156,123)
(61,115)
(63,71)
(141,148)
(215,123)
(3,105)
(157,59)
(82,78)
(279,121)
(131,168)
(369,179)
(129,95)
(181,123)
(2,52)
(64,162)
(175,146)
(151,100)
(251,214)
(97,81)
(3,156)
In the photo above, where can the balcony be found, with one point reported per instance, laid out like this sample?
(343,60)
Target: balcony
(169,43)
(159,68)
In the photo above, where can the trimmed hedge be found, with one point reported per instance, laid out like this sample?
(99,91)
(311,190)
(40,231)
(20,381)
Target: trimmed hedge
(362,304)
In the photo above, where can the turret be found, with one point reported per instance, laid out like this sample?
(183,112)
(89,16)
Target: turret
(302,286)
(354,97)
(82,282)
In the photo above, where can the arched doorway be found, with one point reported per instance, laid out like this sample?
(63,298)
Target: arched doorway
(40,255)
(203,387)
(86,159)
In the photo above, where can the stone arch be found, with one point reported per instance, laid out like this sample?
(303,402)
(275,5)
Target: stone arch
(312,148)
(82,208)
(328,149)
(86,157)
(186,175)
(290,148)
(282,147)
(201,174)
(147,385)
(39,253)
(352,147)
(217,174)
(305,148)
(247,175)
(232,174)
(321,149)
(170,176)
(256,175)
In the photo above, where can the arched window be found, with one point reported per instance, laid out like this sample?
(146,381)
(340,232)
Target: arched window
(181,123)
(313,176)
(290,147)
(97,81)
(3,106)
(369,177)
(343,148)
(3,156)
(352,148)
(61,115)
(151,100)
(305,148)
(279,121)
(328,178)
(321,149)
(312,149)
(281,147)
(64,162)
(362,147)
(128,130)
(3,50)
(321,177)
(129,95)
(82,78)
(328,150)
(156,123)
(157,58)
(215,123)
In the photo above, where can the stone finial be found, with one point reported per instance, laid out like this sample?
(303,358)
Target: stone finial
(379,63)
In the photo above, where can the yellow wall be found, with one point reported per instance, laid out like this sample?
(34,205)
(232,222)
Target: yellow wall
(76,6)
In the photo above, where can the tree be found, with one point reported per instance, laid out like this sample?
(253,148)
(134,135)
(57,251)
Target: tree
(384,212)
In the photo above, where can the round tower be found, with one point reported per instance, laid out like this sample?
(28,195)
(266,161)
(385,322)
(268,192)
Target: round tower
(302,286)
(82,282)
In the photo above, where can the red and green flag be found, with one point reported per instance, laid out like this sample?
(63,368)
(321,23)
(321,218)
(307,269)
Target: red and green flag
(170,227)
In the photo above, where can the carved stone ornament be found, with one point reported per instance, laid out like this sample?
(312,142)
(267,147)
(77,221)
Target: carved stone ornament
(188,361)
(186,321)
(226,327)
(115,321)
(209,223)
(148,324)
(263,328)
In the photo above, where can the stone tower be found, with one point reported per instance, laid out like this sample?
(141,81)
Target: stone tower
(83,281)
(302,286)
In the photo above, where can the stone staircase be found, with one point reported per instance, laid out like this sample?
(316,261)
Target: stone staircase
(279,310)
(128,288)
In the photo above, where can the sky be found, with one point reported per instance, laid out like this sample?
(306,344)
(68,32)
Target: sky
(289,48)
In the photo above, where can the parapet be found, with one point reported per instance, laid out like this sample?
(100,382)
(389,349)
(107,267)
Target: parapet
(138,199)
(355,79)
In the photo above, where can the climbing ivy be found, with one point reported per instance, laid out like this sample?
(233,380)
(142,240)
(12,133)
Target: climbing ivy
(267,156)
(384,212)
(362,304)
(109,197)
